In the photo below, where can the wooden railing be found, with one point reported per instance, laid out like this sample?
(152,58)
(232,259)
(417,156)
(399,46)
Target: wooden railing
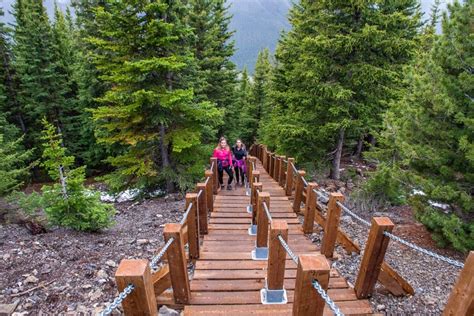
(373,268)
(148,284)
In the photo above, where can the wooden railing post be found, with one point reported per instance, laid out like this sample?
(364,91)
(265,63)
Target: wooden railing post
(310,208)
(307,301)
(267,166)
(331,226)
(177,264)
(202,208)
(263,159)
(248,168)
(193,226)
(461,299)
(299,191)
(374,254)
(257,187)
(261,249)
(281,171)
(276,255)
(276,169)
(289,177)
(209,190)
(215,180)
(141,301)
(274,292)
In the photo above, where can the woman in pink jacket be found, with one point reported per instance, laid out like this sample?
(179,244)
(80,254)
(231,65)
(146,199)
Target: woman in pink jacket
(224,162)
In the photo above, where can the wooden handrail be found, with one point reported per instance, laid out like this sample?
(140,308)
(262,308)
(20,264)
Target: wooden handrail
(178,264)
(276,255)
(193,226)
(374,254)
(262,219)
(461,299)
(307,302)
(332,225)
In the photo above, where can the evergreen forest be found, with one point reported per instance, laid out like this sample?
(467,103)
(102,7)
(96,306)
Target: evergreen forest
(136,93)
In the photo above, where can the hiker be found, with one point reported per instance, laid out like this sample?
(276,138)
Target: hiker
(224,162)
(240,154)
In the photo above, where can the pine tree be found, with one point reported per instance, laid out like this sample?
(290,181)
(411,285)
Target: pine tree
(336,70)
(67,202)
(215,80)
(40,91)
(238,121)
(143,54)
(260,91)
(429,132)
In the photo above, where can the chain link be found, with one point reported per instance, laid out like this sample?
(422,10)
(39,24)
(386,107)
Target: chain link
(199,193)
(118,300)
(304,181)
(265,207)
(287,249)
(425,251)
(327,299)
(321,196)
(185,216)
(348,211)
(157,258)
(294,168)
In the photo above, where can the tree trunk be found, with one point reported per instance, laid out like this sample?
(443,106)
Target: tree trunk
(360,145)
(336,161)
(165,161)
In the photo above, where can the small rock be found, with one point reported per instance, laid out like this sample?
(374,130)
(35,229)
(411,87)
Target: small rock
(142,241)
(94,295)
(6,257)
(86,286)
(31,279)
(165,311)
(102,274)
(380,307)
(159,215)
(110,263)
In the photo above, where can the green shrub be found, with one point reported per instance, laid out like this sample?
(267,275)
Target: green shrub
(447,229)
(386,184)
(68,202)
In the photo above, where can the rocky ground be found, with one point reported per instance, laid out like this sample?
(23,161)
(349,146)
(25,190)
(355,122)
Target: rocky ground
(431,279)
(67,271)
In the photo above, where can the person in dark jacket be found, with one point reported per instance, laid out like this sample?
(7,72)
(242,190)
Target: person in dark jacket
(240,154)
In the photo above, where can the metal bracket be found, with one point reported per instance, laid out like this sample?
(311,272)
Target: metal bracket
(252,230)
(273,296)
(260,253)
(249,209)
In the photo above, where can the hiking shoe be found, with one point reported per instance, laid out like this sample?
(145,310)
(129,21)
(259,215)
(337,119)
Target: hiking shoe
(229,187)
(222,187)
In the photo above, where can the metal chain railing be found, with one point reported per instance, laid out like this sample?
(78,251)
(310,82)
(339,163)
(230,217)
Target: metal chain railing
(288,249)
(185,216)
(199,193)
(267,211)
(354,215)
(327,299)
(159,255)
(425,251)
(294,168)
(321,196)
(118,300)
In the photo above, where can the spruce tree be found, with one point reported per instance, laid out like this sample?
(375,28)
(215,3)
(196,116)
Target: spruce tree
(260,91)
(143,53)
(215,80)
(336,70)
(239,121)
(429,133)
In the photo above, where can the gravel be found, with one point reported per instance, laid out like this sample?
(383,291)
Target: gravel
(74,271)
(431,279)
